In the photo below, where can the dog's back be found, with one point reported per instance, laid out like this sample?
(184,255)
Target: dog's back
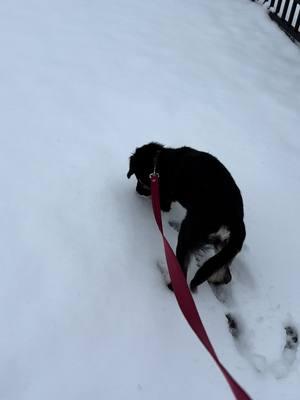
(203,184)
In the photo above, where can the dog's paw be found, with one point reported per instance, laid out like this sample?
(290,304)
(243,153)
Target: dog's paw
(291,338)
(193,286)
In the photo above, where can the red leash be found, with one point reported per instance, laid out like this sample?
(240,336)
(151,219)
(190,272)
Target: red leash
(184,297)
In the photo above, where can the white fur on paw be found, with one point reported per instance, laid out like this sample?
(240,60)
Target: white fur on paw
(243,345)
(163,268)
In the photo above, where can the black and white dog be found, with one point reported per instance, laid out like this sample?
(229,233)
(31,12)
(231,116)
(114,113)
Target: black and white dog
(205,188)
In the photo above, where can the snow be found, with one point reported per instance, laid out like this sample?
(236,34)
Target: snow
(84,310)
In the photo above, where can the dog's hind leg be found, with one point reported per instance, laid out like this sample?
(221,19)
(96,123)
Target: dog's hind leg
(223,258)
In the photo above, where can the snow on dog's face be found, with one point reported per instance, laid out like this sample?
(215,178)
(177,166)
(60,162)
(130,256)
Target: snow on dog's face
(141,164)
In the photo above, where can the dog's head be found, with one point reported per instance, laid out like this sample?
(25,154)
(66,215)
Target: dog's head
(141,164)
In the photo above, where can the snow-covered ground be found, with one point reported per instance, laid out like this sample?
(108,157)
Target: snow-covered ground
(84,311)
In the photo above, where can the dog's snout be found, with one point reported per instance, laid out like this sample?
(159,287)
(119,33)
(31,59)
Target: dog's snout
(142,189)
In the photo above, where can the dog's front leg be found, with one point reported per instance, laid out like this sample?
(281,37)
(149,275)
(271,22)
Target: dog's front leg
(165,202)
(165,205)
(183,249)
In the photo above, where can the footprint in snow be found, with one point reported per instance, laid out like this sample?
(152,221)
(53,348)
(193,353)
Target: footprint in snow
(235,326)
(232,325)
(291,339)
(281,368)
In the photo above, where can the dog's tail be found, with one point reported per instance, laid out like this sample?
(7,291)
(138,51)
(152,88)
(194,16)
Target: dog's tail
(224,257)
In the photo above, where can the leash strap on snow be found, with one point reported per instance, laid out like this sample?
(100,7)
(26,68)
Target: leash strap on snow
(183,295)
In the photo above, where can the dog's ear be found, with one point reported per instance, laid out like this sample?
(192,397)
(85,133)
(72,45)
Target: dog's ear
(129,173)
(131,167)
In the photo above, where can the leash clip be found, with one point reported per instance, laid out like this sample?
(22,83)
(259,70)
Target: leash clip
(154,174)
